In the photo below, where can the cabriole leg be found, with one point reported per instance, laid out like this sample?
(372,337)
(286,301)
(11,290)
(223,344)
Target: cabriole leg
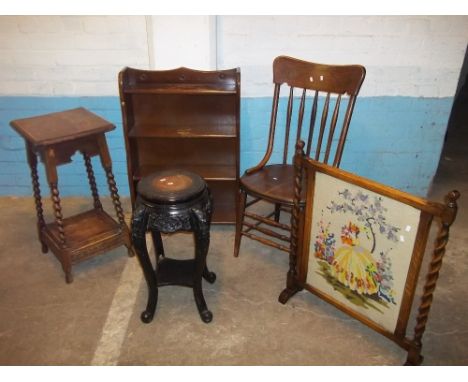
(139,225)
(201,228)
(158,244)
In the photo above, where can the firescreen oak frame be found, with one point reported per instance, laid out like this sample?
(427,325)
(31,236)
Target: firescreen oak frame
(302,220)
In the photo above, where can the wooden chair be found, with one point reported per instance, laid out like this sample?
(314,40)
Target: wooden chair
(274,183)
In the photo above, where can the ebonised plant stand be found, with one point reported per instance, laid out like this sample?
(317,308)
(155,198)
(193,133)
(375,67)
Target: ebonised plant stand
(168,202)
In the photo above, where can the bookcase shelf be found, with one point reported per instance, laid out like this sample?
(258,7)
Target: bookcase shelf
(186,119)
(183,131)
(208,172)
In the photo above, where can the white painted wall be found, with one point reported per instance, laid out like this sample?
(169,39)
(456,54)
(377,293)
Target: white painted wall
(81,55)
(69,55)
(188,41)
(417,56)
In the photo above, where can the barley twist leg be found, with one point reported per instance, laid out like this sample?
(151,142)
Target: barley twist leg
(32,160)
(114,195)
(291,281)
(65,259)
(92,181)
(118,208)
(414,354)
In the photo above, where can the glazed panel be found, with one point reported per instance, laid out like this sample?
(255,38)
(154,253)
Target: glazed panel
(361,248)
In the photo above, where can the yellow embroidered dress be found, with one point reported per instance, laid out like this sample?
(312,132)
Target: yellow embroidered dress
(353,265)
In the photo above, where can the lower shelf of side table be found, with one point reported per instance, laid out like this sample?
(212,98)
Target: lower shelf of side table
(175,272)
(87,234)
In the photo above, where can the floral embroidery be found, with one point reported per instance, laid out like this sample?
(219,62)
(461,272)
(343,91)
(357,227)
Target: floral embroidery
(353,268)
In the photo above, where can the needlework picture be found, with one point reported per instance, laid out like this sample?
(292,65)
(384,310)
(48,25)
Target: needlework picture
(361,248)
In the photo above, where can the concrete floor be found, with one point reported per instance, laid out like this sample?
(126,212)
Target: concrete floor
(95,320)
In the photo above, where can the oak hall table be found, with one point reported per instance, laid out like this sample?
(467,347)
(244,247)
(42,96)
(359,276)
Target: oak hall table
(55,138)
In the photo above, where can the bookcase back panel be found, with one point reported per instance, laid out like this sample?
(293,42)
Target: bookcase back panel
(224,199)
(173,151)
(184,110)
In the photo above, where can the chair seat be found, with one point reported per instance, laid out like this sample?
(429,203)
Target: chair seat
(274,183)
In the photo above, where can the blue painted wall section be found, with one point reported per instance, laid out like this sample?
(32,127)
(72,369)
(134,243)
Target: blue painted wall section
(14,170)
(394,140)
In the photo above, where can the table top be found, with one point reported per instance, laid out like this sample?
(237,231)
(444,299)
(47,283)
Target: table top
(62,126)
(171,186)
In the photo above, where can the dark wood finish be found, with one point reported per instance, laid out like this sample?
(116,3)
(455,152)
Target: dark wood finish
(184,119)
(190,154)
(168,202)
(171,186)
(55,138)
(275,182)
(300,245)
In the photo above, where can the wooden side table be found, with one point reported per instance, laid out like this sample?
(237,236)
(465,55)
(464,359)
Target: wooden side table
(55,138)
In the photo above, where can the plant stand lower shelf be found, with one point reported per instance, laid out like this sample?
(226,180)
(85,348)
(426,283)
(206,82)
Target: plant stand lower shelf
(88,234)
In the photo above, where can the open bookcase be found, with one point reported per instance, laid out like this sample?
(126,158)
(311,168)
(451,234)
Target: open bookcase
(186,119)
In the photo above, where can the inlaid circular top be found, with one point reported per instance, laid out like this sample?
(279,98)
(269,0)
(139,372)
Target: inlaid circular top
(171,186)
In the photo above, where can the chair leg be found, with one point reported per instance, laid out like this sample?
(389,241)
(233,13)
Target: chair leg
(277,212)
(241,198)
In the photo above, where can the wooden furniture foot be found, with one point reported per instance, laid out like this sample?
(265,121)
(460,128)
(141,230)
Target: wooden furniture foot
(209,276)
(44,248)
(414,357)
(287,293)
